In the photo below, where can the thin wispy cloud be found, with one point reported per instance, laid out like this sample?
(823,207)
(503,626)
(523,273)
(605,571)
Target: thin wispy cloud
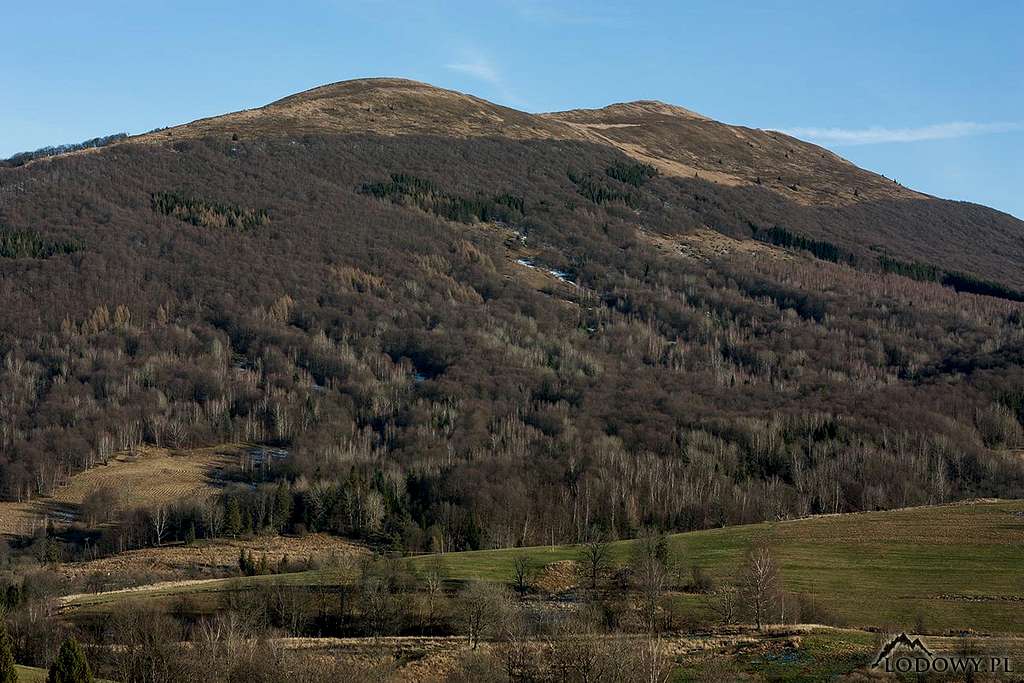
(479,68)
(476,64)
(878,134)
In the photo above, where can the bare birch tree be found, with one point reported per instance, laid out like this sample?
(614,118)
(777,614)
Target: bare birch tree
(759,582)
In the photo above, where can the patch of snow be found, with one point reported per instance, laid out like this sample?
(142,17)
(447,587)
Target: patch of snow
(261,454)
(563,276)
(558,274)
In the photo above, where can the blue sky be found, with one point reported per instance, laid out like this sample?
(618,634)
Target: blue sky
(931,93)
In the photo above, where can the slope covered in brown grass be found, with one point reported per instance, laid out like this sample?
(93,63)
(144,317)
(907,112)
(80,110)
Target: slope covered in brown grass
(388,106)
(216,558)
(682,143)
(145,478)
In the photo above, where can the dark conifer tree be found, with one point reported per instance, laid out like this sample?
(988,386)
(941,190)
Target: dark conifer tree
(8,674)
(71,666)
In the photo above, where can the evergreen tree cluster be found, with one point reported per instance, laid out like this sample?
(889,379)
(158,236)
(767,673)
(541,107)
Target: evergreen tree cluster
(250,566)
(409,190)
(631,174)
(8,674)
(12,594)
(922,272)
(818,248)
(589,186)
(266,508)
(208,214)
(961,282)
(30,244)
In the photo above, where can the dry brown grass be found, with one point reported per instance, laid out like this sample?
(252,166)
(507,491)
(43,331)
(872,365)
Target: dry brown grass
(146,477)
(705,244)
(681,143)
(411,658)
(385,106)
(217,558)
(824,651)
(557,577)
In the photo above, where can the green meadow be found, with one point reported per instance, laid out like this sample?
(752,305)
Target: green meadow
(955,567)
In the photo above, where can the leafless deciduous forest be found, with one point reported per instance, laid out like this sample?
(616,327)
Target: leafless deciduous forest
(356,299)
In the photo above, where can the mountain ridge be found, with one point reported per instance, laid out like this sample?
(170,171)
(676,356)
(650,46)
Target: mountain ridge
(697,147)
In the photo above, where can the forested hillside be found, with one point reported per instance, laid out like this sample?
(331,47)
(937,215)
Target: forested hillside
(495,336)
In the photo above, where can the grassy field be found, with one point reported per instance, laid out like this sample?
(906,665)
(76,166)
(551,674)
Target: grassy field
(31,674)
(960,566)
(957,566)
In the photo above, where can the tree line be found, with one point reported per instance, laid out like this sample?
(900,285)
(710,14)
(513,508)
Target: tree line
(22,158)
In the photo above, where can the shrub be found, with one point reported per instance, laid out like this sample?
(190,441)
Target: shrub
(702,581)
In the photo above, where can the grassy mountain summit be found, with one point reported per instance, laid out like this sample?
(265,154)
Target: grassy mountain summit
(471,326)
(384,106)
